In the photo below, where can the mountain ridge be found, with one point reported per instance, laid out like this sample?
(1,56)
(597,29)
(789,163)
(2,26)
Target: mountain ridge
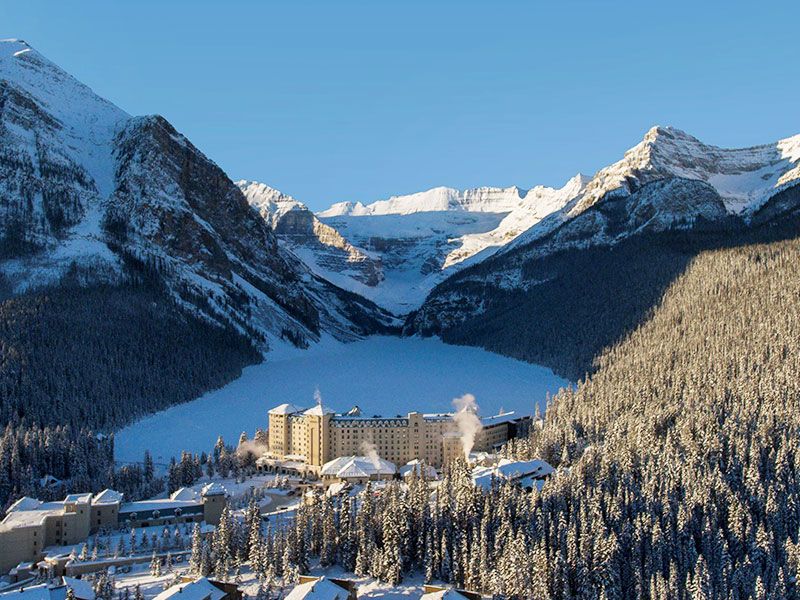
(85,183)
(425,238)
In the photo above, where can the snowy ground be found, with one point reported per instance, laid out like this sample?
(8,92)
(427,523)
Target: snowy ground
(411,588)
(382,375)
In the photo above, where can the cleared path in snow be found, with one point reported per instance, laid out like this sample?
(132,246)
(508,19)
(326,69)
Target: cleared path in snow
(382,375)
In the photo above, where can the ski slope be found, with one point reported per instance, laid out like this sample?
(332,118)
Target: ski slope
(382,375)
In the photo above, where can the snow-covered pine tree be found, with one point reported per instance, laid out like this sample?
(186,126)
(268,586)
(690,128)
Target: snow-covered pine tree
(155,565)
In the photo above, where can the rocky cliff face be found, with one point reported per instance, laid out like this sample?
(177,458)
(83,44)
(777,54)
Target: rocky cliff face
(423,238)
(86,187)
(320,246)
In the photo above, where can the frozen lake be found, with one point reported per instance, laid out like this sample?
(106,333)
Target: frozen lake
(382,375)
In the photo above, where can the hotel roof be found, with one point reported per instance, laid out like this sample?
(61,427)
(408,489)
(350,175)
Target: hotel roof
(107,496)
(214,489)
(31,517)
(319,410)
(25,503)
(285,409)
(78,498)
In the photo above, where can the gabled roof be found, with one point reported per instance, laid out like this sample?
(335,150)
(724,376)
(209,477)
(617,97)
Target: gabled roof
(199,589)
(319,410)
(353,464)
(320,589)
(285,409)
(107,496)
(82,588)
(185,494)
(523,472)
(214,489)
(448,594)
(515,469)
(503,417)
(25,503)
(351,470)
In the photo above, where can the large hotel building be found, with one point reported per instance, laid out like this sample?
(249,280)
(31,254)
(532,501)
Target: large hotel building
(318,435)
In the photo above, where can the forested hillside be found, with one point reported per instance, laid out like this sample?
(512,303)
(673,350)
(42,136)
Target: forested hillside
(76,360)
(677,468)
(683,445)
(563,299)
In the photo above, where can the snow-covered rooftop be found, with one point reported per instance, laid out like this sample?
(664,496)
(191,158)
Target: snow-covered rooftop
(415,466)
(185,494)
(214,489)
(285,409)
(523,472)
(319,410)
(78,499)
(146,506)
(199,589)
(81,589)
(446,594)
(31,516)
(107,496)
(502,417)
(320,589)
(358,466)
(25,503)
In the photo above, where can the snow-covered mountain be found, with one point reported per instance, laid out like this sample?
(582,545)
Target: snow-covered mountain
(423,238)
(668,183)
(743,178)
(85,188)
(427,237)
(320,246)
(398,250)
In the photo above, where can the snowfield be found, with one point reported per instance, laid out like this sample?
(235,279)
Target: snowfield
(382,375)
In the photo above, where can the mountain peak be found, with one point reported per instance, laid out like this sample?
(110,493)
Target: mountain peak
(13,47)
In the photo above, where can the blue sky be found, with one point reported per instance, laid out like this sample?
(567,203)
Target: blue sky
(335,101)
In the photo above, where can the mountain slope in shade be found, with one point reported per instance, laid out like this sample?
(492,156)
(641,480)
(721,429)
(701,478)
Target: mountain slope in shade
(573,284)
(320,246)
(85,187)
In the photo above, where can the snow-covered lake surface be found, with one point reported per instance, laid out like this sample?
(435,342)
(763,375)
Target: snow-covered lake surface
(382,375)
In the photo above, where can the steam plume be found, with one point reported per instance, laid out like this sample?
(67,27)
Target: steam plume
(368,449)
(467,421)
(253,447)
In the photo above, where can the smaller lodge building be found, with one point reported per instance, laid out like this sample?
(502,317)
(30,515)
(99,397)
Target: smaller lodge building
(31,525)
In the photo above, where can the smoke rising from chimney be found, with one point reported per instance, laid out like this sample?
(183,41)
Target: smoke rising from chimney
(467,421)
